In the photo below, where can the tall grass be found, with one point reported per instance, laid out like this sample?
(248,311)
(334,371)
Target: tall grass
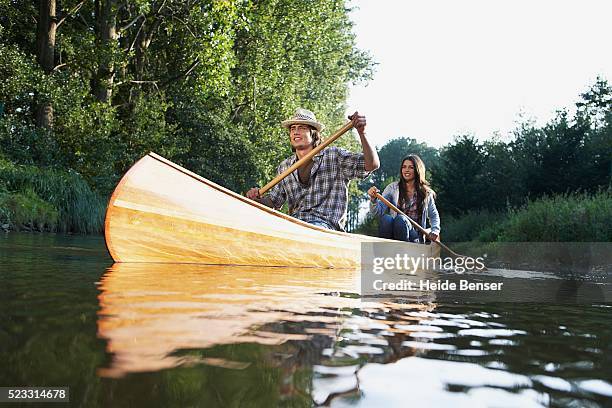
(26,211)
(79,209)
(561,218)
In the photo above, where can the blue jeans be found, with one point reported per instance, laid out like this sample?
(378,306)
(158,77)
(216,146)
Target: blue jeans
(320,223)
(398,228)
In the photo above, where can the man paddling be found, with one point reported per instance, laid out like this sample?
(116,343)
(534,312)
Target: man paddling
(318,191)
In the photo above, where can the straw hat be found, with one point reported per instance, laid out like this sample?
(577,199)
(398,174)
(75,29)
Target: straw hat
(305,117)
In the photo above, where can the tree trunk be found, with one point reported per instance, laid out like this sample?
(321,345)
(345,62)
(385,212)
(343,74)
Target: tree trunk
(140,61)
(141,48)
(47,23)
(107,35)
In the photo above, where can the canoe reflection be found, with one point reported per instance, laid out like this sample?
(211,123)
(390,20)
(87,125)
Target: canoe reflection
(153,315)
(148,311)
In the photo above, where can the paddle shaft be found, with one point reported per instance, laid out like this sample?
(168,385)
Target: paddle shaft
(348,126)
(415,224)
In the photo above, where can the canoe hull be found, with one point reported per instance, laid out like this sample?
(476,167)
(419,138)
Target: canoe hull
(192,220)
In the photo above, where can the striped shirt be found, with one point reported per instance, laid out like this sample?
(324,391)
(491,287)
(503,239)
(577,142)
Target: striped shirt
(325,197)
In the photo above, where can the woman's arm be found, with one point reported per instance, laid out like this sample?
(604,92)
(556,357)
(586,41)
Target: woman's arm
(375,205)
(433,215)
(378,208)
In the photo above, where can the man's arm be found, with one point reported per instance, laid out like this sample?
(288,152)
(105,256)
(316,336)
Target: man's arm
(253,194)
(372,162)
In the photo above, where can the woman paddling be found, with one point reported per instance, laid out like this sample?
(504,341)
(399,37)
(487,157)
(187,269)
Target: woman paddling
(414,197)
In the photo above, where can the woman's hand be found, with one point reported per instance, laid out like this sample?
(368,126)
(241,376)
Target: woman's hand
(432,237)
(372,193)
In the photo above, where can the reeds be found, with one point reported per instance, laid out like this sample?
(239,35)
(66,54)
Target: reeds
(71,204)
(577,217)
(562,218)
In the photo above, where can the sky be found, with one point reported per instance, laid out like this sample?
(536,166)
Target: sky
(452,67)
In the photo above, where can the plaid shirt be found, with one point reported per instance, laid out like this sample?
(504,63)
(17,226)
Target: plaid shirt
(325,198)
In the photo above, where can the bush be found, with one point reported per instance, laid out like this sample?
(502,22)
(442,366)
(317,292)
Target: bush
(369,226)
(24,143)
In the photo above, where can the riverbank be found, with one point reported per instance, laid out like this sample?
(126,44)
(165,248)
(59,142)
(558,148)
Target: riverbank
(48,200)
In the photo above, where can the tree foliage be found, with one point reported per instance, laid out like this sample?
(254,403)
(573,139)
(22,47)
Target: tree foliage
(204,83)
(458,175)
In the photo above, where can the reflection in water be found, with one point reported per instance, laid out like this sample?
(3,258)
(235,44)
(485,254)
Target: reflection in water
(149,311)
(153,315)
(305,336)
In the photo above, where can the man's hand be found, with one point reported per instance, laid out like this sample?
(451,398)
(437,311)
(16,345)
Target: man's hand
(372,193)
(359,122)
(253,193)
(432,236)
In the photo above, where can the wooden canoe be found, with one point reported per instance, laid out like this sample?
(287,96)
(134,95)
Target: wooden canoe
(163,213)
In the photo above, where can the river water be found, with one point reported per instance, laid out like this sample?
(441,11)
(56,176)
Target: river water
(194,335)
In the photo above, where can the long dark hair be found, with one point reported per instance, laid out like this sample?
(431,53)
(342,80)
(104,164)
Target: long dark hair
(421,184)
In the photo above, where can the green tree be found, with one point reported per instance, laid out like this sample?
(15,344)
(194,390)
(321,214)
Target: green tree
(502,186)
(595,110)
(392,153)
(457,177)
(552,159)
(205,84)
(291,53)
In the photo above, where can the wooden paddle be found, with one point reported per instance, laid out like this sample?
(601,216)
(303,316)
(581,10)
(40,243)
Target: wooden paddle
(348,126)
(416,224)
